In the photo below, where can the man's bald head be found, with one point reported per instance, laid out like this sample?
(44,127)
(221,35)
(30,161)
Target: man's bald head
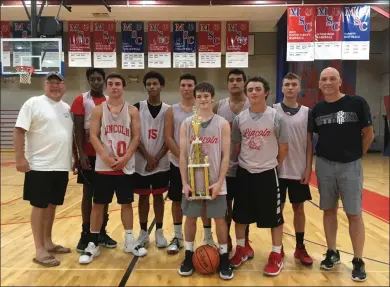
(330,81)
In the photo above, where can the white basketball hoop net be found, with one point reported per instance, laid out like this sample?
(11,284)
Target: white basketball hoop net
(25,73)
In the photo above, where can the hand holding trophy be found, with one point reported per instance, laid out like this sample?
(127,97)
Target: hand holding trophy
(198,167)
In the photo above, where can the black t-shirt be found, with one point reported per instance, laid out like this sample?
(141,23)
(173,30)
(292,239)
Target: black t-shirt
(154,110)
(339,127)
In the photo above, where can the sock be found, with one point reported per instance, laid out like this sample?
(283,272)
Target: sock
(277,249)
(247,231)
(207,232)
(94,237)
(144,226)
(223,249)
(85,227)
(299,237)
(241,242)
(178,230)
(129,232)
(159,225)
(190,246)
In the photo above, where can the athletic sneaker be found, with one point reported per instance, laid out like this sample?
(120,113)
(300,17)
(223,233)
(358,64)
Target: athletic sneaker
(275,264)
(330,260)
(302,255)
(187,267)
(89,253)
(240,256)
(225,271)
(143,238)
(132,246)
(175,244)
(106,241)
(249,250)
(161,241)
(358,271)
(83,242)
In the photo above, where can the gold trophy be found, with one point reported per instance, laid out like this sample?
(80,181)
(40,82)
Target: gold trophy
(198,167)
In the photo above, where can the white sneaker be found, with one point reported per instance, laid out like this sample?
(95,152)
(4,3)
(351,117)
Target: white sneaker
(89,253)
(143,238)
(132,246)
(208,240)
(176,244)
(161,241)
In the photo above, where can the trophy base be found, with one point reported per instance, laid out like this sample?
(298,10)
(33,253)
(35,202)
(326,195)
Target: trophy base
(200,197)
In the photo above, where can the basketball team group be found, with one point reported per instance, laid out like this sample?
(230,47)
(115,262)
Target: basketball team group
(256,154)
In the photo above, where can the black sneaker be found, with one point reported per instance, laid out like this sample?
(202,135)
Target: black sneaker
(187,268)
(107,241)
(330,260)
(225,271)
(358,272)
(83,242)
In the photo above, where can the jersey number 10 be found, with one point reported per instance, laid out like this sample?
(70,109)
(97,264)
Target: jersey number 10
(120,148)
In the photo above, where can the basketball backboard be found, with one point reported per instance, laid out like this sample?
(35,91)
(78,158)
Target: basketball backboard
(43,54)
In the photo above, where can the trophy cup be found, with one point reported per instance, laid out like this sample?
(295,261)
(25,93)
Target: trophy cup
(198,167)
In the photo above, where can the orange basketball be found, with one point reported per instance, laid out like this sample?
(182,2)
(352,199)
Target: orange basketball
(206,259)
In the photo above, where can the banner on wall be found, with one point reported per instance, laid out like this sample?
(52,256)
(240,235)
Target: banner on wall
(104,44)
(300,33)
(5,32)
(5,58)
(133,36)
(79,44)
(328,32)
(356,33)
(22,54)
(21,29)
(237,37)
(184,44)
(209,44)
(159,44)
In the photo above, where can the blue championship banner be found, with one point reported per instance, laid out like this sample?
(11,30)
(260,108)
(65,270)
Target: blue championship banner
(133,39)
(184,44)
(356,33)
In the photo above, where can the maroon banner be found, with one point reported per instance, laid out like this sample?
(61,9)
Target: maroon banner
(328,24)
(159,37)
(209,36)
(5,32)
(79,36)
(300,24)
(237,33)
(104,38)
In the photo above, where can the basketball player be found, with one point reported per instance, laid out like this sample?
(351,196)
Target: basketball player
(45,123)
(114,134)
(174,117)
(229,108)
(295,172)
(151,158)
(215,135)
(344,127)
(261,143)
(82,109)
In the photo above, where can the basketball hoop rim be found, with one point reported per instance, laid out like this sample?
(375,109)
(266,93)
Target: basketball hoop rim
(25,69)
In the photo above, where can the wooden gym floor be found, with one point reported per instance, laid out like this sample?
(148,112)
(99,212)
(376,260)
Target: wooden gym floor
(116,268)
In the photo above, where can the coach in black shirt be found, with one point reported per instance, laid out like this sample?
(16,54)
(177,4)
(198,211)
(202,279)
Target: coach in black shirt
(344,128)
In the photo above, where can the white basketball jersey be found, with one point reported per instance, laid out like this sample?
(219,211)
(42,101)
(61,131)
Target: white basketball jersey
(178,117)
(259,145)
(152,138)
(294,164)
(115,135)
(211,138)
(225,111)
(89,104)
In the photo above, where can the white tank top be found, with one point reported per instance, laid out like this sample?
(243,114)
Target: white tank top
(225,111)
(294,164)
(115,135)
(152,138)
(178,117)
(89,104)
(259,145)
(211,138)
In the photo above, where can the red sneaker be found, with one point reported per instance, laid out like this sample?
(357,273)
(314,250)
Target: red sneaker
(240,256)
(275,264)
(302,255)
(249,250)
(230,245)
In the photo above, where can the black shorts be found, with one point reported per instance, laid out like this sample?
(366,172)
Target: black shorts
(258,199)
(156,183)
(87,177)
(107,184)
(42,188)
(297,192)
(231,187)
(175,189)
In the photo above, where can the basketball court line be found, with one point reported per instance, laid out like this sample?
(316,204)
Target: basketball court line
(62,269)
(284,270)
